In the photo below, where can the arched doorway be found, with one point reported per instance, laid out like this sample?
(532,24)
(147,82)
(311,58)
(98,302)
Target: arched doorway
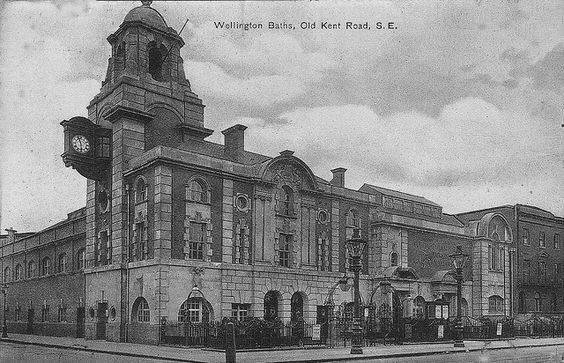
(271,301)
(297,307)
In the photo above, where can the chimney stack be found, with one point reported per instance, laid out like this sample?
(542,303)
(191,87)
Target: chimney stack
(234,141)
(11,235)
(338,177)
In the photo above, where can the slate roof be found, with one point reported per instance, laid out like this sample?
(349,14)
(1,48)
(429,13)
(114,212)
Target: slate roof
(217,151)
(368,188)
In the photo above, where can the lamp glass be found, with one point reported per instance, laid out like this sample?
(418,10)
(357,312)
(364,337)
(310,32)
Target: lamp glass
(458,258)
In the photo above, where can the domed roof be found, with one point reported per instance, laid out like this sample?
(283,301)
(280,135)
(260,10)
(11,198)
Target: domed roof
(146,15)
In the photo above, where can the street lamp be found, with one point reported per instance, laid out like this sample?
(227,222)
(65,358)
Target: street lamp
(4,325)
(356,246)
(458,260)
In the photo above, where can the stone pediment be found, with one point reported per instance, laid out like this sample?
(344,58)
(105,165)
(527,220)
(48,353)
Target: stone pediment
(287,169)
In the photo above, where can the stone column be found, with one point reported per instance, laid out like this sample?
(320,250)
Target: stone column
(163,212)
(227,221)
(335,220)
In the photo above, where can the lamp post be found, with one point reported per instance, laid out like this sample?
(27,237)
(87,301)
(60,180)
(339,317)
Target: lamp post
(4,325)
(458,260)
(356,246)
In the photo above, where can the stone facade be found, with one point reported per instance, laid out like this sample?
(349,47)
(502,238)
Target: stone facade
(45,276)
(536,258)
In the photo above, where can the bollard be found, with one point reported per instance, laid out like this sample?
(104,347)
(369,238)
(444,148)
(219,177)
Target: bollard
(230,343)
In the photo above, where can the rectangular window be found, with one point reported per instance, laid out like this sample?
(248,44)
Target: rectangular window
(103,147)
(542,240)
(527,271)
(542,271)
(194,311)
(322,254)
(240,246)
(556,241)
(196,242)
(240,312)
(45,313)
(526,236)
(557,271)
(490,257)
(140,247)
(62,314)
(284,250)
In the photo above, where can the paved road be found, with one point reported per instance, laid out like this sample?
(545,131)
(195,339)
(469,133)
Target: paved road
(11,352)
(522,355)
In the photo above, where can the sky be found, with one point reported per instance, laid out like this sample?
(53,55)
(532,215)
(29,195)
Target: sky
(462,102)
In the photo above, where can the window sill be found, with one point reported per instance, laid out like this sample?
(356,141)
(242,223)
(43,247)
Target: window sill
(196,202)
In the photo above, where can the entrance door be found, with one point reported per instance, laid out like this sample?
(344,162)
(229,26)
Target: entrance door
(30,314)
(102,319)
(80,322)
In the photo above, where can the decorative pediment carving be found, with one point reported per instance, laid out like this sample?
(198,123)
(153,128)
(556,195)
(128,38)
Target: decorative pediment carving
(289,170)
(285,174)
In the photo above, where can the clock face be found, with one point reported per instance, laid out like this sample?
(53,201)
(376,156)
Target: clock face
(81,144)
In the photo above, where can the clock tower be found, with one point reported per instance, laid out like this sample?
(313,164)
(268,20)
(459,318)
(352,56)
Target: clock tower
(145,101)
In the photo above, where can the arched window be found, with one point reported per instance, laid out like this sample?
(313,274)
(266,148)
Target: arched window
(495,304)
(140,312)
(522,302)
(271,305)
(119,62)
(158,64)
(554,302)
(194,310)
(81,259)
(45,266)
(538,301)
(197,191)
(394,259)
(418,307)
(7,273)
(31,269)
(140,190)
(62,263)
(297,307)
(287,200)
(353,219)
(18,272)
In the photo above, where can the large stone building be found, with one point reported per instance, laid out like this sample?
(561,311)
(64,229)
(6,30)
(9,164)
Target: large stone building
(537,257)
(179,228)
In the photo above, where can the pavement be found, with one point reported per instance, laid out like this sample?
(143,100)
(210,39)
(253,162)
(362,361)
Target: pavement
(179,354)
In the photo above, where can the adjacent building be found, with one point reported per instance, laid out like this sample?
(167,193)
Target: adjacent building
(537,257)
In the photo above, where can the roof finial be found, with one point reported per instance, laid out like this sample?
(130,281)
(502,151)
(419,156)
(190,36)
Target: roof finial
(146,2)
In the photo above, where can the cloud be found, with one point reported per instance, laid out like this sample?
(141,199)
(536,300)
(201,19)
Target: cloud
(261,91)
(471,143)
(462,103)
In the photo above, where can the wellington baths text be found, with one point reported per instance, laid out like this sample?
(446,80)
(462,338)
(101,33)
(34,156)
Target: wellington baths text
(306,25)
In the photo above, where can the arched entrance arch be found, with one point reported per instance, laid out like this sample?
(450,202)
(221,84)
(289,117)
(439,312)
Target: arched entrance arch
(272,300)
